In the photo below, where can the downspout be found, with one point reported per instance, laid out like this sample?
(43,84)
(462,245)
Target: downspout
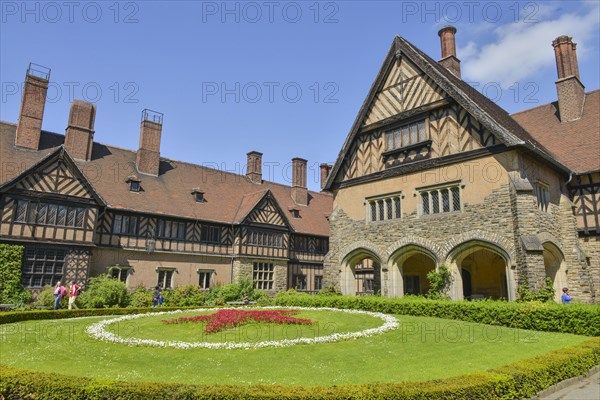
(232,253)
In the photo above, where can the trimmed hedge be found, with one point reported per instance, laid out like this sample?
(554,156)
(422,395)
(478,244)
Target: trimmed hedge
(579,319)
(19,316)
(521,379)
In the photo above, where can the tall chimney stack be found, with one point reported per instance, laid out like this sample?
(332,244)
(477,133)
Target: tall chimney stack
(449,60)
(79,136)
(299,190)
(254,167)
(33,101)
(569,88)
(325,170)
(148,154)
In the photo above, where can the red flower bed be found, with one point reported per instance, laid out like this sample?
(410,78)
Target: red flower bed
(226,319)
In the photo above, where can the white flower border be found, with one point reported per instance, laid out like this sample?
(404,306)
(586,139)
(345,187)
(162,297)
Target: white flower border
(97,331)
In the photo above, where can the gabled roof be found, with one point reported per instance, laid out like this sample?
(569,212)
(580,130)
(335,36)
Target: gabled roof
(58,154)
(169,193)
(577,143)
(488,113)
(251,202)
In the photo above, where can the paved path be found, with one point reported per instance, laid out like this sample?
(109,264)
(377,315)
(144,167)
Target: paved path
(586,389)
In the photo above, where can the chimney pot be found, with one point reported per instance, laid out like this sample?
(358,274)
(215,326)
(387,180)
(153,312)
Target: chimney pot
(299,190)
(254,167)
(448,42)
(569,88)
(148,154)
(325,170)
(29,127)
(79,136)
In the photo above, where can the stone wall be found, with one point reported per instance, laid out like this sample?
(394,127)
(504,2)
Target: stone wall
(242,268)
(591,249)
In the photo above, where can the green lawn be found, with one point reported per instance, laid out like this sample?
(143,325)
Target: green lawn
(421,349)
(325,323)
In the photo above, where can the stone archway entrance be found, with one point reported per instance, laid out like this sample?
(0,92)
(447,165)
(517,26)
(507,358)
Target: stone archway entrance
(481,271)
(361,274)
(555,266)
(409,266)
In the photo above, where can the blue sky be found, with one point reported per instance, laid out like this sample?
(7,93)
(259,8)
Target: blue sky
(283,78)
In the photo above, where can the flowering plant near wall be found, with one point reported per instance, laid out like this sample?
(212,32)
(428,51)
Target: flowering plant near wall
(226,319)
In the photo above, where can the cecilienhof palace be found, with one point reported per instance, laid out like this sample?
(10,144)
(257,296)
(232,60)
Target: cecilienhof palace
(432,174)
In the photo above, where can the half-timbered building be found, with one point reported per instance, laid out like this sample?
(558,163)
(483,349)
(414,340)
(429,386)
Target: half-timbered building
(81,208)
(434,173)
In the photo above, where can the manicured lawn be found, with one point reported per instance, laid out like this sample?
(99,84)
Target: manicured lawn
(421,349)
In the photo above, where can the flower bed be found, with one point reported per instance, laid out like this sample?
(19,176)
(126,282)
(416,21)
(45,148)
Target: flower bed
(98,331)
(226,319)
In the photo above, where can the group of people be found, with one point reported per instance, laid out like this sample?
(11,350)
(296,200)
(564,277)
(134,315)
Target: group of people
(157,297)
(60,291)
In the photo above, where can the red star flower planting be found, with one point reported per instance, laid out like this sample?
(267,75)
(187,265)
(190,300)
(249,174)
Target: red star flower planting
(227,319)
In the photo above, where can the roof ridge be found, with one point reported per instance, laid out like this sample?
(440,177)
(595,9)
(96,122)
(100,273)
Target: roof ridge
(552,102)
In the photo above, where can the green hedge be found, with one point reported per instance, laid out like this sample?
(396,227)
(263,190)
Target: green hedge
(20,316)
(580,319)
(521,379)
(11,289)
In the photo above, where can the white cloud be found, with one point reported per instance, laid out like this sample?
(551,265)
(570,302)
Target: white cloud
(522,49)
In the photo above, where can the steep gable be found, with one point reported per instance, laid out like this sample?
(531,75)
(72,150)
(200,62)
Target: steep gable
(411,87)
(261,208)
(56,174)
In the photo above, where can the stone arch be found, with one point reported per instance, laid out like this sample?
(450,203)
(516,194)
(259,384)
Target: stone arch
(486,259)
(354,255)
(407,268)
(551,239)
(417,241)
(493,239)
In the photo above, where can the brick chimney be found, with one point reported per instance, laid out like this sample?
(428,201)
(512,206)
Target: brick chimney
(325,170)
(33,101)
(570,90)
(254,167)
(79,136)
(148,154)
(449,60)
(299,190)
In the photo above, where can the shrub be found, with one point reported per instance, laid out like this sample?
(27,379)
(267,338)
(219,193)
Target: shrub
(104,291)
(184,296)
(544,294)
(221,294)
(11,289)
(330,291)
(140,297)
(439,282)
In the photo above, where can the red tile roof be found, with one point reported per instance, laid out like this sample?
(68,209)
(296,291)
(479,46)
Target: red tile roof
(227,196)
(575,144)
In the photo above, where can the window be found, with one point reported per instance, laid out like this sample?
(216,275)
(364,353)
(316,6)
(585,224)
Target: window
(165,278)
(170,229)
(440,200)
(120,273)
(43,213)
(543,196)
(134,186)
(412,284)
(262,275)
(42,266)
(125,225)
(318,282)
(210,234)
(384,209)
(199,196)
(266,239)
(299,282)
(204,279)
(406,135)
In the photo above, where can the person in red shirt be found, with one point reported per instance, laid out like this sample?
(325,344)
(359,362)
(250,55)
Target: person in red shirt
(73,293)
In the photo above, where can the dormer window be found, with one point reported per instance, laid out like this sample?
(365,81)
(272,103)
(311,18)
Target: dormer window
(295,212)
(134,183)
(134,186)
(198,195)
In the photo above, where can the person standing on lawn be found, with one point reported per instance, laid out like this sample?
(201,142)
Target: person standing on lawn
(156,296)
(73,293)
(59,292)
